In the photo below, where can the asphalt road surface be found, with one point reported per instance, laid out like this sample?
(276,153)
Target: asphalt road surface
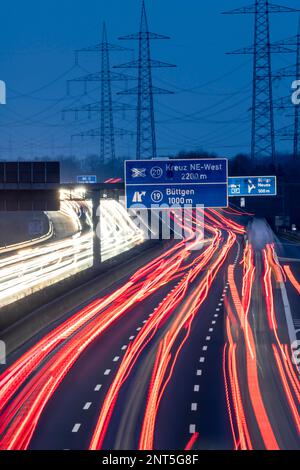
(192,351)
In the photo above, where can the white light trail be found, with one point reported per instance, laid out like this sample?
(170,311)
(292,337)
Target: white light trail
(37,267)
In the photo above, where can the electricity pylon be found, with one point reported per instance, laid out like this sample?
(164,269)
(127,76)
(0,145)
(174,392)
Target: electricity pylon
(105,107)
(146,135)
(291,132)
(263,133)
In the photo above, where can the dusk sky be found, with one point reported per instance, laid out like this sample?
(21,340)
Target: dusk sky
(209,110)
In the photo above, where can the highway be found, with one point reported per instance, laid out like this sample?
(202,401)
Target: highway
(192,351)
(30,268)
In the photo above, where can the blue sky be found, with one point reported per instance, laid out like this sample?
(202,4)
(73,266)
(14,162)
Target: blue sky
(210,106)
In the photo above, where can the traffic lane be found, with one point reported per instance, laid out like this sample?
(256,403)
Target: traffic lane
(126,421)
(160,296)
(96,366)
(272,392)
(142,310)
(64,226)
(195,397)
(27,332)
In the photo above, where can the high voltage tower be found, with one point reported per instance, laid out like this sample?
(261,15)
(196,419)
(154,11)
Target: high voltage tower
(263,131)
(105,107)
(146,136)
(291,132)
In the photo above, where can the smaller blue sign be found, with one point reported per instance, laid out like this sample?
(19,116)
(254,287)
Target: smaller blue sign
(252,186)
(87,179)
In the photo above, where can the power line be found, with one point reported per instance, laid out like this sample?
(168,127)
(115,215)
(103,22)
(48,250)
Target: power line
(146,135)
(263,133)
(106,132)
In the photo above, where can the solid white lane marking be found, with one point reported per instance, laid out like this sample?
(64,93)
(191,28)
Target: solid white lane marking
(196,388)
(97,388)
(87,405)
(194,406)
(192,428)
(288,313)
(107,372)
(76,427)
(116,358)
(199,372)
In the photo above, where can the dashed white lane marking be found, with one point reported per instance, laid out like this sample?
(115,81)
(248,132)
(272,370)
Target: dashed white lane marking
(131,337)
(199,372)
(145,321)
(116,358)
(97,388)
(204,348)
(107,372)
(207,338)
(192,428)
(216,315)
(76,427)
(124,347)
(217,310)
(213,322)
(202,359)
(138,329)
(196,388)
(210,330)
(194,406)
(87,405)
(220,304)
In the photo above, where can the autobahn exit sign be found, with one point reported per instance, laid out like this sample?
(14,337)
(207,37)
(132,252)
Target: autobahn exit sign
(176,183)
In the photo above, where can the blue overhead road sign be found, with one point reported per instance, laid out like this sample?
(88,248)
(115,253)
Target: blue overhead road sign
(252,186)
(176,182)
(87,179)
